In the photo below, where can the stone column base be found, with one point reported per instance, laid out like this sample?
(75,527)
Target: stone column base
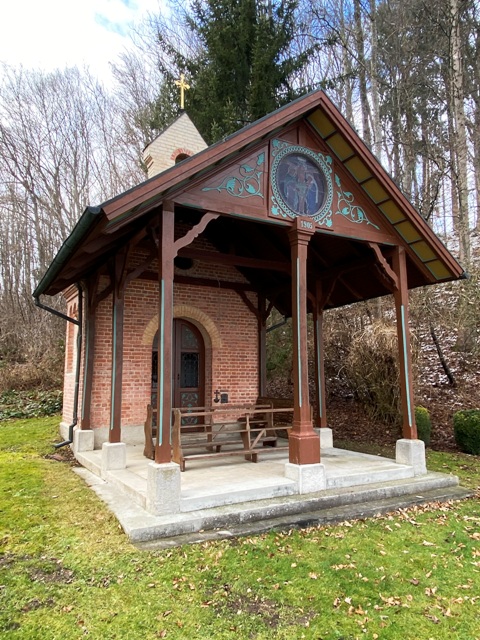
(83,440)
(326,437)
(163,488)
(114,456)
(309,477)
(411,453)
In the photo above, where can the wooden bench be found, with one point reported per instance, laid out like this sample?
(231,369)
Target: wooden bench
(223,431)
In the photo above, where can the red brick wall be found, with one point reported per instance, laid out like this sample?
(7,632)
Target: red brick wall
(232,363)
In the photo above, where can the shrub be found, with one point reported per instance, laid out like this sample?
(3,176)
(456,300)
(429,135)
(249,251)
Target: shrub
(373,373)
(424,424)
(29,404)
(466,428)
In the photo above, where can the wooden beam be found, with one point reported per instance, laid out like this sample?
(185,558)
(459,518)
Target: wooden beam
(89,362)
(303,443)
(262,345)
(234,260)
(321,413)
(409,427)
(166,221)
(249,304)
(118,311)
(202,282)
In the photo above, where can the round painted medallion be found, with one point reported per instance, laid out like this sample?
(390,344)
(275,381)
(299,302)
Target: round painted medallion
(301,184)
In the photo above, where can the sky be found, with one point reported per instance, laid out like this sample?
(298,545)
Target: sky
(50,34)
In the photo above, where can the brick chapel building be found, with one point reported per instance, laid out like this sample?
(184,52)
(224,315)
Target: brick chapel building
(169,285)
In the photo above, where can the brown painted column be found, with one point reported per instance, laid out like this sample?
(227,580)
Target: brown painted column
(409,427)
(304,443)
(166,252)
(321,412)
(89,362)
(262,347)
(118,313)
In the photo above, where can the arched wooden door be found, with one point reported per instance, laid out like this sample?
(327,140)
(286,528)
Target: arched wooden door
(188,366)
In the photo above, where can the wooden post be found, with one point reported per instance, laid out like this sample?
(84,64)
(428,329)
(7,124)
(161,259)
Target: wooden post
(166,252)
(409,427)
(117,346)
(321,413)
(304,443)
(89,362)
(262,347)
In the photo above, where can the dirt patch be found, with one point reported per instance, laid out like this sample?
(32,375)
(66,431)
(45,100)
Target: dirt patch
(65,454)
(35,604)
(51,571)
(265,609)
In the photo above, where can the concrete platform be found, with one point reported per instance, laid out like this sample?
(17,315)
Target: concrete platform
(229,496)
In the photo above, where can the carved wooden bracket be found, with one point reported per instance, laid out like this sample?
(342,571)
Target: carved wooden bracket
(194,232)
(386,269)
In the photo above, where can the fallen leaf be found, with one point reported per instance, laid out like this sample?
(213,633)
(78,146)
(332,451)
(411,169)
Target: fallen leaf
(434,619)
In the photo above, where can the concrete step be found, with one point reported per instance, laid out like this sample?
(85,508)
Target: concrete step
(91,460)
(392,472)
(129,483)
(322,517)
(277,488)
(261,515)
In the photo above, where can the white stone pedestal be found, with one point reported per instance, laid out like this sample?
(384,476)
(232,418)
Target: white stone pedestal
(411,453)
(326,437)
(309,477)
(163,488)
(83,440)
(114,456)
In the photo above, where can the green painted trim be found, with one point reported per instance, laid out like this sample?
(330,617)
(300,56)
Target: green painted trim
(161,356)
(407,373)
(298,336)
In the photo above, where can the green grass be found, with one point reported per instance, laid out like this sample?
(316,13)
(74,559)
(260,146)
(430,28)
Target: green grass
(67,570)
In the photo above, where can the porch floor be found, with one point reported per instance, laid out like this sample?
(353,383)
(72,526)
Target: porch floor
(220,495)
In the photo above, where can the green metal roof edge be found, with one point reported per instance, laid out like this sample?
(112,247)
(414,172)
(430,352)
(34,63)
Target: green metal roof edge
(78,233)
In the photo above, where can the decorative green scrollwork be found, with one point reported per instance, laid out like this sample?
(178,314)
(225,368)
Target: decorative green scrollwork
(247,184)
(348,209)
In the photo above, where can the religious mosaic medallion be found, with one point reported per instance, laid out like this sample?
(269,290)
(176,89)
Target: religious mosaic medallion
(301,182)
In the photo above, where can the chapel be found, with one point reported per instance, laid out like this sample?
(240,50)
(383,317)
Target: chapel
(169,286)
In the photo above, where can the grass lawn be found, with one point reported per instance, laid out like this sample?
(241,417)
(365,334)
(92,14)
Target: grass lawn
(67,570)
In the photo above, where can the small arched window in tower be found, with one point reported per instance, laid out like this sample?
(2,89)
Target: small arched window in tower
(180,157)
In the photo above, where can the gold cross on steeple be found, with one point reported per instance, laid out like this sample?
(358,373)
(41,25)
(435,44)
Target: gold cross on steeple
(183,86)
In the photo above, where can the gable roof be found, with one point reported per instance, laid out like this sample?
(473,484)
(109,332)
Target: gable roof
(116,219)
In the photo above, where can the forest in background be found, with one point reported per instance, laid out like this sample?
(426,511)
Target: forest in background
(405,74)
